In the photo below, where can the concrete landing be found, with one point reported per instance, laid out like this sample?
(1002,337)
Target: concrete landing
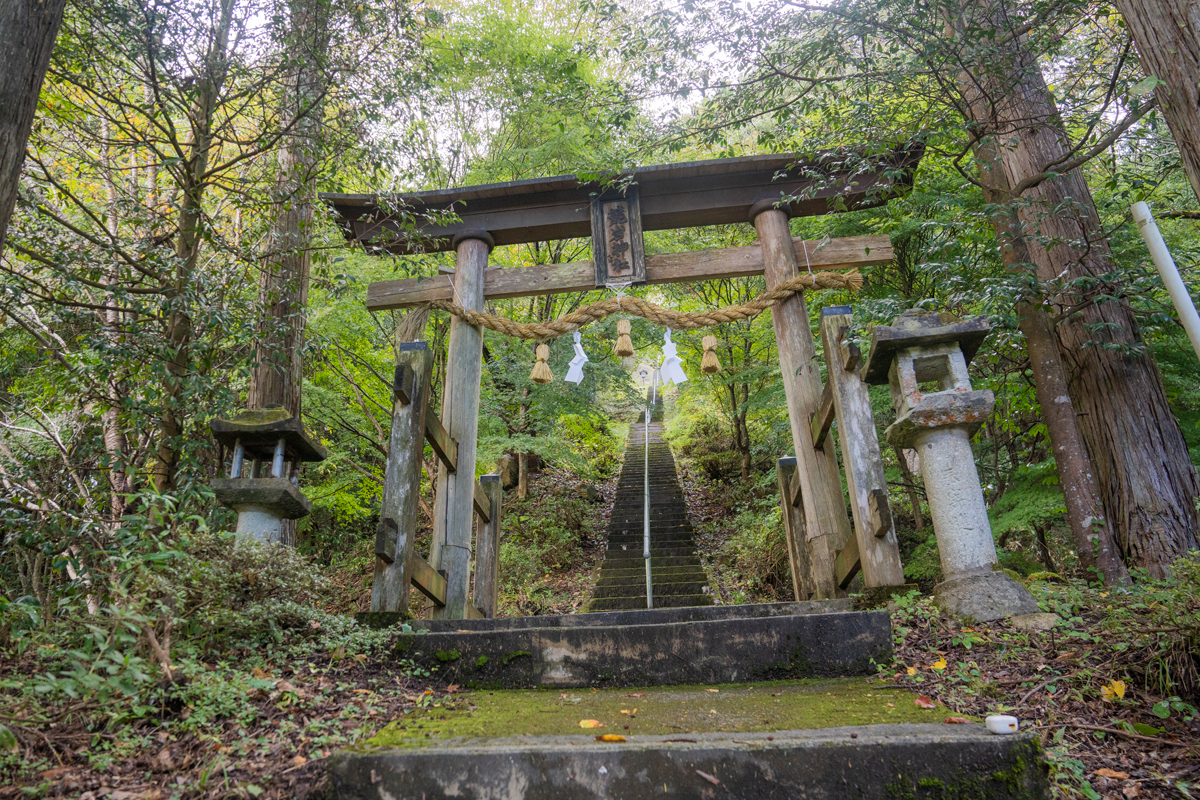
(766,740)
(721,646)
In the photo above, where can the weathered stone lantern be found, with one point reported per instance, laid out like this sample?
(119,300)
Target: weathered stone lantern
(923,357)
(268,447)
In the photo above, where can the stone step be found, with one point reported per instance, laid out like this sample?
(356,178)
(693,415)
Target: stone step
(656,552)
(634,603)
(656,616)
(627,559)
(708,651)
(870,762)
(615,577)
(635,588)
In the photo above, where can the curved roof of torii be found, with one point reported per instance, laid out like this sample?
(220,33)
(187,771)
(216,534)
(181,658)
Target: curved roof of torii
(683,195)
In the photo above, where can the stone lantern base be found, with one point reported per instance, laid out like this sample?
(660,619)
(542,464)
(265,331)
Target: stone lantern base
(984,595)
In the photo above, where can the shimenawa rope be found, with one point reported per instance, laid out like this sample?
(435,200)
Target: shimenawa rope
(675,320)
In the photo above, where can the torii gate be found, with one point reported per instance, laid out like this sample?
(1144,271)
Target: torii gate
(766,190)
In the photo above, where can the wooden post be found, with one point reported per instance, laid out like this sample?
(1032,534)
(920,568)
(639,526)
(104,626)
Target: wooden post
(826,524)
(402,478)
(487,547)
(878,549)
(793,525)
(454,512)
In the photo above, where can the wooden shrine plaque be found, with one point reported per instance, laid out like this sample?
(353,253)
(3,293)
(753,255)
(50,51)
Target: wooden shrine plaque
(617,250)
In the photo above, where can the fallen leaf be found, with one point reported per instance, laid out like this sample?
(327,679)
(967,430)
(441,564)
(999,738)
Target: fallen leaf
(712,690)
(258,673)
(1115,689)
(636,694)
(1105,772)
(298,761)
(610,737)
(924,701)
(939,664)
(288,686)
(452,688)
(711,779)
(1130,790)
(912,670)
(590,723)
(957,721)
(627,711)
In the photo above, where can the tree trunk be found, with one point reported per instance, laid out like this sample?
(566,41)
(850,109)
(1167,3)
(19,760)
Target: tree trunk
(187,247)
(1044,547)
(522,475)
(1147,482)
(283,286)
(910,484)
(1077,476)
(28,29)
(1167,34)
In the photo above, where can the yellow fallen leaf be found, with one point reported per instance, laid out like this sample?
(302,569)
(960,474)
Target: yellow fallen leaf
(912,670)
(939,664)
(1115,689)
(590,723)
(712,690)
(610,737)
(1105,772)
(627,711)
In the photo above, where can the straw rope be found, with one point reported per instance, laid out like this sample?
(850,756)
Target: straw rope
(675,320)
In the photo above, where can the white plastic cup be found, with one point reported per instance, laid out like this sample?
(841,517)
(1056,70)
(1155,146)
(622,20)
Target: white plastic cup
(1002,724)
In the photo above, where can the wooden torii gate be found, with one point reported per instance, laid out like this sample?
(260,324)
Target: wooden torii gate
(766,190)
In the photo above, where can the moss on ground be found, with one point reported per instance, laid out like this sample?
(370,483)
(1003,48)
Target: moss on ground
(736,708)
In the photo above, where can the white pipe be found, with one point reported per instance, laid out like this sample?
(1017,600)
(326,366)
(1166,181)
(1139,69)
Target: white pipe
(1169,273)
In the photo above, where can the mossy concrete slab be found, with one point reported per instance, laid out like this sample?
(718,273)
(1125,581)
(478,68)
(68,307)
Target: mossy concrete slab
(661,710)
(873,762)
(707,651)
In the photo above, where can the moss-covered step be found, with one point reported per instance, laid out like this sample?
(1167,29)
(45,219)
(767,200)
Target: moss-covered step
(644,616)
(721,650)
(842,738)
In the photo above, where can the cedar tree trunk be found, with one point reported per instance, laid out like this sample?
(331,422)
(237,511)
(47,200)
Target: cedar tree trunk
(1167,33)
(1147,482)
(28,29)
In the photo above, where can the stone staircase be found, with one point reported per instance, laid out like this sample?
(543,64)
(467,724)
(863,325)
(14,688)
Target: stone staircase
(677,577)
(778,700)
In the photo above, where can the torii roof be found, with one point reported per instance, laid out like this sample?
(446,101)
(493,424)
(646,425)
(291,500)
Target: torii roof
(684,195)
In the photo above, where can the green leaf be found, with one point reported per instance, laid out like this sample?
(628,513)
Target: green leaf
(8,741)
(257,790)
(1161,709)
(1088,791)
(1147,730)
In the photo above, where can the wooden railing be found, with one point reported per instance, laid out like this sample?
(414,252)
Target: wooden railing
(873,548)
(397,565)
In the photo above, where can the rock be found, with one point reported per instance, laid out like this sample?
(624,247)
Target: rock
(1035,622)
(984,596)
(509,472)
(589,492)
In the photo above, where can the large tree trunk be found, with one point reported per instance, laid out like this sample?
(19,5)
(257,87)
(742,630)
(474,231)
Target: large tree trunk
(1090,528)
(1147,482)
(283,287)
(1167,33)
(28,29)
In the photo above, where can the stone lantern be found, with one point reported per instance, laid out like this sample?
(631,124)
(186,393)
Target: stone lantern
(923,357)
(262,486)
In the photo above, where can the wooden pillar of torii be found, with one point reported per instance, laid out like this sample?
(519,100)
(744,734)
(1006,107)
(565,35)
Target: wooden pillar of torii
(764,189)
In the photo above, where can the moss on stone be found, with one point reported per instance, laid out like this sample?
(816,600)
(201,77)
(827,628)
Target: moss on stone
(446,656)
(508,657)
(737,708)
(481,662)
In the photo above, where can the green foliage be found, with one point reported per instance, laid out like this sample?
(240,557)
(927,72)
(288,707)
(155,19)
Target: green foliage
(760,553)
